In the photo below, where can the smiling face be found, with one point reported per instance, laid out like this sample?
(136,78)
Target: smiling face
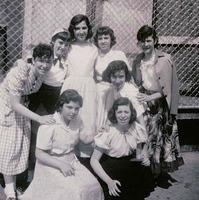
(70,111)
(147,45)
(60,47)
(123,115)
(104,43)
(81,31)
(118,79)
(42,65)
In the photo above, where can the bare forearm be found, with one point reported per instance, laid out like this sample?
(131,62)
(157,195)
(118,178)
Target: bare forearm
(47,159)
(21,109)
(99,170)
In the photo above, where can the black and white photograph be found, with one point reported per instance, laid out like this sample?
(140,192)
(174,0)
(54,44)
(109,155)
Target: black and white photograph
(99,100)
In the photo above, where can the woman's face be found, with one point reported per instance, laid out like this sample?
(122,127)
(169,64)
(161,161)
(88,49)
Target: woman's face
(147,45)
(81,31)
(118,79)
(42,65)
(70,111)
(104,43)
(60,47)
(123,115)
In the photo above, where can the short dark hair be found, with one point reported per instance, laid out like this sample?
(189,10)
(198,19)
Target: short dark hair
(120,102)
(145,32)
(42,51)
(113,67)
(66,97)
(105,30)
(65,36)
(76,20)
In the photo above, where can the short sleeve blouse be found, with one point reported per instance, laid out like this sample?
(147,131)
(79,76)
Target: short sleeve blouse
(58,138)
(118,144)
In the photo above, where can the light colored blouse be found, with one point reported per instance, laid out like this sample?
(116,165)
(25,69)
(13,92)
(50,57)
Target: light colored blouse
(149,77)
(104,59)
(118,144)
(58,138)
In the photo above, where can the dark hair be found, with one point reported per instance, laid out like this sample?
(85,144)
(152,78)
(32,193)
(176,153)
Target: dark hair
(76,20)
(65,36)
(42,50)
(113,67)
(145,32)
(66,97)
(121,102)
(105,30)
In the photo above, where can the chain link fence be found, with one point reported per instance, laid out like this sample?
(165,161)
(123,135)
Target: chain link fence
(24,23)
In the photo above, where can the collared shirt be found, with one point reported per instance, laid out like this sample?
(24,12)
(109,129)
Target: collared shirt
(59,138)
(58,72)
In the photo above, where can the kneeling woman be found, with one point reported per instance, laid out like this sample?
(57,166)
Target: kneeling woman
(58,173)
(123,176)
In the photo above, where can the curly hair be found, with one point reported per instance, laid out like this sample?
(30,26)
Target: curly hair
(66,97)
(113,67)
(76,20)
(121,102)
(42,51)
(104,30)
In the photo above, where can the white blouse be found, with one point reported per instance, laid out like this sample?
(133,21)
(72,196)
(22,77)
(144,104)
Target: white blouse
(118,144)
(58,138)
(149,77)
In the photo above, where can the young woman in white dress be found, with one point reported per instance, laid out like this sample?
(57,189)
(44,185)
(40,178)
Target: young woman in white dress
(81,59)
(58,173)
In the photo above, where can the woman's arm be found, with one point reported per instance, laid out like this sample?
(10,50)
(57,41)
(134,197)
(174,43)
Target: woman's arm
(142,98)
(21,109)
(112,184)
(47,159)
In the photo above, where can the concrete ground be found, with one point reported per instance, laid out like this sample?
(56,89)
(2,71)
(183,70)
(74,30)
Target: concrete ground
(186,187)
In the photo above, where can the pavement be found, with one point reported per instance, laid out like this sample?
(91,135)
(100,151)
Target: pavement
(186,187)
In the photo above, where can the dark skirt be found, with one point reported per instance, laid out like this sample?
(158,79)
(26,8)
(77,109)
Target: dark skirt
(136,180)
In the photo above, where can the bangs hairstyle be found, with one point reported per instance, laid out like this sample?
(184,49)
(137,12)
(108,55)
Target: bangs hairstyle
(113,67)
(43,51)
(66,97)
(65,36)
(145,32)
(75,21)
(105,30)
(122,101)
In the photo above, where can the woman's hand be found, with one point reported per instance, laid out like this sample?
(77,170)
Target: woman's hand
(113,187)
(66,169)
(46,119)
(142,98)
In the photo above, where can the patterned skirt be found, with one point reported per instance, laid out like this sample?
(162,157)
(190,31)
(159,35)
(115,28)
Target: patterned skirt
(163,141)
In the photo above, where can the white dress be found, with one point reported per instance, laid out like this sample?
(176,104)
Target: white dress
(49,183)
(102,63)
(81,59)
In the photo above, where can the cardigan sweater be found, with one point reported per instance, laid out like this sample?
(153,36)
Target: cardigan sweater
(167,77)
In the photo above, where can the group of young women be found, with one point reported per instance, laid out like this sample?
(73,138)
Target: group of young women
(113,128)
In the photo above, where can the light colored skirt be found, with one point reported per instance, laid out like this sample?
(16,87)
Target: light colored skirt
(50,184)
